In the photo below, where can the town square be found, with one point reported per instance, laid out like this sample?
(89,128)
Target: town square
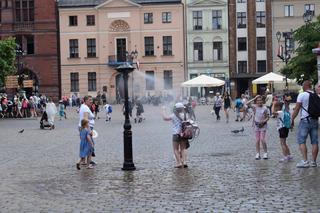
(159,105)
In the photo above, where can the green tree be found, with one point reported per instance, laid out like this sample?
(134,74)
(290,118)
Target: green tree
(7,58)
(304,64)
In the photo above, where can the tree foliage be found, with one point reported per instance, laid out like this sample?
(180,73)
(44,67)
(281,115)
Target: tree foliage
(7,58)
(304,64)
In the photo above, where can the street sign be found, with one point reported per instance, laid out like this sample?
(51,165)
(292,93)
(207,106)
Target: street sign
(12,82)
(28,83)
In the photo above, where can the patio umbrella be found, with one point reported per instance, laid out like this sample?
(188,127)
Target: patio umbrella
(271,78)
(203,81)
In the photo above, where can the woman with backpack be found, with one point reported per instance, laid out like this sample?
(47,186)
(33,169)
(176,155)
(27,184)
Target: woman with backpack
(179,143)
(282,111)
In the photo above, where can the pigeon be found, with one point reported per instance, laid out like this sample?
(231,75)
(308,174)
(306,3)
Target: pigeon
(238,130)
(21,131)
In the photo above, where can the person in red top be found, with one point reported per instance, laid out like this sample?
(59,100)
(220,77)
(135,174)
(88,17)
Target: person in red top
(24,107)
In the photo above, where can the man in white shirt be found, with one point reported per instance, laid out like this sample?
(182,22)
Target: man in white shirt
(307,126)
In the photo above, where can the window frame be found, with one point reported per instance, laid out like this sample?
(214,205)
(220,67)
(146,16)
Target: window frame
(217,15)
(150,79)
(242,49)
(200,50)
(73,48)
(91,48)
(92,81)
(26,12)
(244,69)
(309,9)
(197,21)
(260,19)
(241,20)
(288,10)
(167,79)
(166,17)
(259,43)
(73,23)
(148,18)
(74,82)
(219,50)
(91,20)
(149,46)
(259,66)
(167,45)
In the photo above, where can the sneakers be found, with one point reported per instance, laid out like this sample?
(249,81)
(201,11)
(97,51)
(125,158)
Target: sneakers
(303,164)
(265,156)
(313,164)
(258,156)
(284,159)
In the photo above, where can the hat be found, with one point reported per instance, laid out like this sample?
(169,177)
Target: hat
(179,105)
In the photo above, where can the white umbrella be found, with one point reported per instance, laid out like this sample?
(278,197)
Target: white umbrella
(203,81)
(271,78)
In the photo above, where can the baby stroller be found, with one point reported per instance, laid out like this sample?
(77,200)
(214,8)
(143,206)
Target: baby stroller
(44,121)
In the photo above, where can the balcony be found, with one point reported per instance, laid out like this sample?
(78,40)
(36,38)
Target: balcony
(23,26)
(114,61)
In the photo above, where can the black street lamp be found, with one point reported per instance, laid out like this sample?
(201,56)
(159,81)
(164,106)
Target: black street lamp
(128,164)
(308,16)
(130,57)
(19,54)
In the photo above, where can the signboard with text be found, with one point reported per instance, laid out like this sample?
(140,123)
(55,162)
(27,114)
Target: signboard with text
(12,82)
(28,83)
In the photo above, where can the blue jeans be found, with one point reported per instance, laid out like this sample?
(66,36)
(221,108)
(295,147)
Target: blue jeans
(306,127)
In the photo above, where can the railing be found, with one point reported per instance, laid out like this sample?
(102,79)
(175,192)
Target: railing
(113,61)
(24,26)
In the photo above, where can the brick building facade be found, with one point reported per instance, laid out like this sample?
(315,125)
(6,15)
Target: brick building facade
(34,26)
(250,43)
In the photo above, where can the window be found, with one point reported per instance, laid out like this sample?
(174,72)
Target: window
(73,21)
(148,18)
(216,19)
(24,10)
(288,10)
(262,66)
(30,44)
(217,51)
(197,20)
(148,46)
(242,1)
(261,19)
(242,44)
(92,81)
(167,45)
(74,48)
(149,80)
(91,47)
(198,51)
(242,66)
(74,77)
(167,77)
(91,20)
(261,43)
(242,19)
(259,0)
(166,17)
(309,7)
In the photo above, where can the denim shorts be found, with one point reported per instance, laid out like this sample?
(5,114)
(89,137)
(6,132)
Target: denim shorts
(308,127)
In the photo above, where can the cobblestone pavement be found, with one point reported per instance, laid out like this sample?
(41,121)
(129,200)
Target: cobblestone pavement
(38,172)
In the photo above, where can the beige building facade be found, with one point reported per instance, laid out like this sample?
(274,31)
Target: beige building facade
(97,36)
(287,17)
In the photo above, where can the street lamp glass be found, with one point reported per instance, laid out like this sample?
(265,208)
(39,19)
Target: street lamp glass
(278,35)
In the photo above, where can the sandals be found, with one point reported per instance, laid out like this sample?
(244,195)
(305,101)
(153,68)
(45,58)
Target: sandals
(178,166)
(78,166)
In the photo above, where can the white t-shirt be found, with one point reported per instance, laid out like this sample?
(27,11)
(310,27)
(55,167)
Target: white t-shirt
(83,109)
(260,113)
(303,98)
(269,100)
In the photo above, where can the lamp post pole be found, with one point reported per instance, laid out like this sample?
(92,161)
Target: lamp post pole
(128,164)
(317,52)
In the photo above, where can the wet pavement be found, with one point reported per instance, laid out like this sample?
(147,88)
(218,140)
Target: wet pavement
(38,172)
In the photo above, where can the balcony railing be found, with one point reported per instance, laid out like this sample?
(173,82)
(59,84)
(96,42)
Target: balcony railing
(24,26)
(114,61)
